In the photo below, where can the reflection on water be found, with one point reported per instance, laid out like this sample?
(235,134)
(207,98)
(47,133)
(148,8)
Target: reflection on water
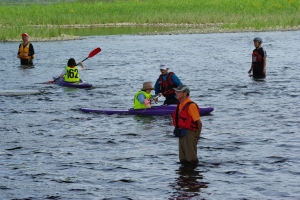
(189,182)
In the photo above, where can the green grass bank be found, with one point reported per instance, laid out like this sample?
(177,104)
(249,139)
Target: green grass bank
(49,18)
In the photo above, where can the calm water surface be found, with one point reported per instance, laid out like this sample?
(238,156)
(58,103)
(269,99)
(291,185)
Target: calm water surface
(249,146)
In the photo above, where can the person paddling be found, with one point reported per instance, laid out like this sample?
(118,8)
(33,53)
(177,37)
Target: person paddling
(71,73)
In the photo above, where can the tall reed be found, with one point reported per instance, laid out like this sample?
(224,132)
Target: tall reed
(231,14)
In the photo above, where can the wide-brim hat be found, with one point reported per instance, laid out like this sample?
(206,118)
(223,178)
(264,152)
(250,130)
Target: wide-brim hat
(147,86)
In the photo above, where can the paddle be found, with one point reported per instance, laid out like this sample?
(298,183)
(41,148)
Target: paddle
(92,53)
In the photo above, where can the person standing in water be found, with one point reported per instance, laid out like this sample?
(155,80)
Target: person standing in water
(26,51)
(165,84)
(259,60)
(188,125)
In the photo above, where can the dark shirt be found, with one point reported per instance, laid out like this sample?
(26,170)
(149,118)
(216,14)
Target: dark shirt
(258,62)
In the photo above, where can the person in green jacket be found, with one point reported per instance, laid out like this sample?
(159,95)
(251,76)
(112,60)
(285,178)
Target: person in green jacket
(142,99)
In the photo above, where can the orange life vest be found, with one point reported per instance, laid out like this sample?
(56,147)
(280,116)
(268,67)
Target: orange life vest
(183,119)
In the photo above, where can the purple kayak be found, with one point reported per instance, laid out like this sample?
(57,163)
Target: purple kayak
(81,84)
(154,110)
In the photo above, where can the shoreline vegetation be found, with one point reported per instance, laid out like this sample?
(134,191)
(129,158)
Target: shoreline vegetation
(48,20)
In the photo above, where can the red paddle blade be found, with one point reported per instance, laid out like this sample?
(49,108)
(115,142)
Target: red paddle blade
(48,82)
(94,52)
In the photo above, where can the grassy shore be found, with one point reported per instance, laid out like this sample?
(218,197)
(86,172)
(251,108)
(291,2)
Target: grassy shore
(48,20)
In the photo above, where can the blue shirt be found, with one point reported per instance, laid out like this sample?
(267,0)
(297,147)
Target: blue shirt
(141,98)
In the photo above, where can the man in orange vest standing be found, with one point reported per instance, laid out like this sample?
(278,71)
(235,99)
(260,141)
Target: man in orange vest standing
(26,51)
(188,125)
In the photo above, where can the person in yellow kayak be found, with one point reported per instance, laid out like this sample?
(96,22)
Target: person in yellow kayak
(26,51)
(71,73)
(143,98)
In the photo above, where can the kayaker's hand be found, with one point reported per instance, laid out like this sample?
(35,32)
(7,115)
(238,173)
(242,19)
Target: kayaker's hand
(82,66)
(147,102)
(155,99)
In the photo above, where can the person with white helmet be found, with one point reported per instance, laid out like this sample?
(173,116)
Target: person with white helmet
(165,84)
(259,60)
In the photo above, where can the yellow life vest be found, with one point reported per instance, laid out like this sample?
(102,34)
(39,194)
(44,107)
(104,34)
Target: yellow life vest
(72,74)
(137,104)
(25,49)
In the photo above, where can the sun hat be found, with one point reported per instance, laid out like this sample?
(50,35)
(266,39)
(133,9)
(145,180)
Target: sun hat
(147,86)
(24,34)
(71,62)
(182,88)
(163,66)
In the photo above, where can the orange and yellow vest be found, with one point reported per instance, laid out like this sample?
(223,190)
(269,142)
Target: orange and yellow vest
(25,49)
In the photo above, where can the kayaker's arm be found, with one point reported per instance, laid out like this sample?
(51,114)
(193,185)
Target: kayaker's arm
(176,80)
(61,75)
(141,98)
(82,66)
(157,87)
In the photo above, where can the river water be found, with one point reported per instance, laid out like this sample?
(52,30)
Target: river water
(249,146)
